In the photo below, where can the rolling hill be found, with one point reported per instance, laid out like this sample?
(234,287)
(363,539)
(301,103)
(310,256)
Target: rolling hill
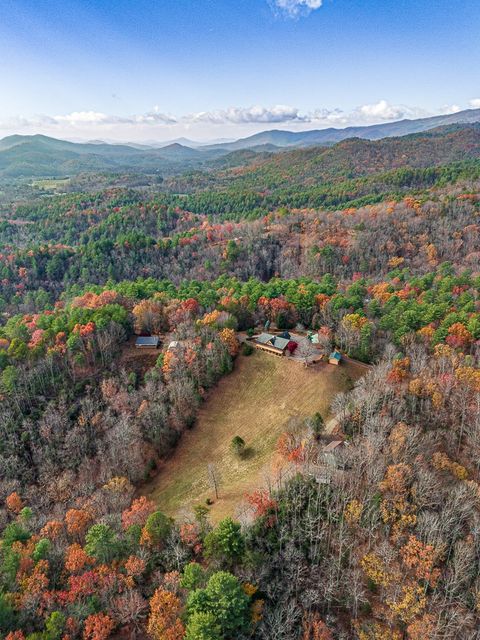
(347,160)
(39,156)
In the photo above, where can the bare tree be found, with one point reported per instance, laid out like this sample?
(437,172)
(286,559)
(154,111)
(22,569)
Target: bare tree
(131,608)
(214,478)
(306,351)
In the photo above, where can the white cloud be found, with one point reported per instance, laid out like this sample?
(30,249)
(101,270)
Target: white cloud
(295,8)
(382,110)
(475,103)
(21,122)
(80,118)
(84,119)
(230,122)
(256,114)
(98,120)
(449,109)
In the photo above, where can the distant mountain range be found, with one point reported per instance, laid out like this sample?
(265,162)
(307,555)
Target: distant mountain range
(42,156)
(318,137)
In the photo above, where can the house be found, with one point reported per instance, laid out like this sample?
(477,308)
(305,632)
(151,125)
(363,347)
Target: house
(273,344)
(331,451)
(147,342)
(321,473)
(335,357)
(333,446)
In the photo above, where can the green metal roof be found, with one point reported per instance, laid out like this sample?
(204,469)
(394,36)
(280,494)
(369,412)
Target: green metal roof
(272,341)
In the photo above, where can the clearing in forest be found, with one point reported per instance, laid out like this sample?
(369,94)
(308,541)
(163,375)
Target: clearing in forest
(256,402)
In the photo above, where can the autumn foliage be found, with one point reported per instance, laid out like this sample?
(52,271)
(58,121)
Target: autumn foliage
(164,620)
(14,502)
(138,512)
(98,626)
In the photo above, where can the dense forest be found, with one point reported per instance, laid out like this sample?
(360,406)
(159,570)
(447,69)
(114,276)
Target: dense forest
(371,246)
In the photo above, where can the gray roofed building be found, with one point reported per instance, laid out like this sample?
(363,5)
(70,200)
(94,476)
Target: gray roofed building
(269,342)
(280,343)
(331,446)
(332,453)
(147,341)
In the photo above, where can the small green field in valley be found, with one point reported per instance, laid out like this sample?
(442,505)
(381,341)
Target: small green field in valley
(256,402)
(51,184)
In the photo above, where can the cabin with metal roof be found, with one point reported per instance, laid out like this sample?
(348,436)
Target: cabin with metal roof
(147,342)
(272,344)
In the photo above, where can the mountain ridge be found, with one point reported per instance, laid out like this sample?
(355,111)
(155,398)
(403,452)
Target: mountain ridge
(331,135)
(42,156)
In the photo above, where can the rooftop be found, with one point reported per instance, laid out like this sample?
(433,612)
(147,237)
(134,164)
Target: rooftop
(147,341)
(331,446)
(273,341)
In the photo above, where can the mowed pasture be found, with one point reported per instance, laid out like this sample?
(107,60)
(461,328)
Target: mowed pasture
(256,401)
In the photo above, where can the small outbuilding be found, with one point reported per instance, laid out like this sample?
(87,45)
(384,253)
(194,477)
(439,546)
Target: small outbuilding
(173,345)
(147,342)
(335,357)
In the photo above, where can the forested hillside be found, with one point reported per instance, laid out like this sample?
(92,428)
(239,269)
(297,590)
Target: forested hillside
(371,247)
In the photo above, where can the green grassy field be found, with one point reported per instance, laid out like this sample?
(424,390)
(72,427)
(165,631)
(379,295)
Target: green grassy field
(256,401)
(51,183)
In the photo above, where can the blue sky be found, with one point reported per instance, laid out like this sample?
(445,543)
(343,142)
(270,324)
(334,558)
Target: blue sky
(137,70)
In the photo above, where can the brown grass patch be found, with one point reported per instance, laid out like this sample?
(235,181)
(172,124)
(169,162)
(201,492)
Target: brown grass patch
(256,401)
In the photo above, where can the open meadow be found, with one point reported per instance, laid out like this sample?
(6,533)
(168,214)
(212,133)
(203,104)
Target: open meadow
(256,402)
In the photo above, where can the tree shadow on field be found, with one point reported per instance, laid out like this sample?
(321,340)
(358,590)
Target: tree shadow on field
(248,453)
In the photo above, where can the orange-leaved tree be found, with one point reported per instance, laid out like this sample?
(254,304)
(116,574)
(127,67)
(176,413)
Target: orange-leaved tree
(164,621)
(138,512)
(14,502)
(98,626)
